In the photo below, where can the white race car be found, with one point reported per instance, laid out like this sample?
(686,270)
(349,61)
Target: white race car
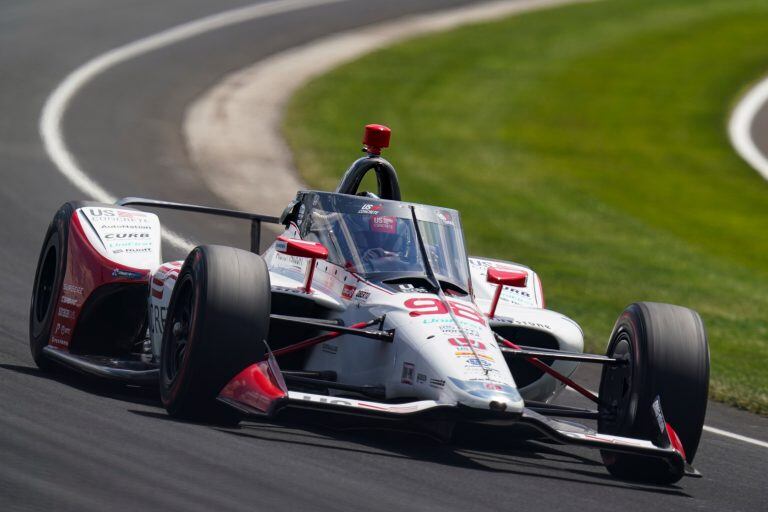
(365,305)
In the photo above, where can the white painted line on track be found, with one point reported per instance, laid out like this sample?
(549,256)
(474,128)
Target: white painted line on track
(707,428)
(740,127)
(738,437)
(57,102)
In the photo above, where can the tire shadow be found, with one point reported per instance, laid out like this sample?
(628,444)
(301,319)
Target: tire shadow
(492,454)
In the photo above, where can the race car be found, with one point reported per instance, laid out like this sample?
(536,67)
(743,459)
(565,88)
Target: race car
(368,306)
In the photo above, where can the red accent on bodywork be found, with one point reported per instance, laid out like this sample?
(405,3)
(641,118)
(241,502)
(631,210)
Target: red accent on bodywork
(541,293)
(87,269)
(257,387)
(677,444)
(376,137)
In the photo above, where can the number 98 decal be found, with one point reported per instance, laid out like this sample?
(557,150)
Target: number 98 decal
(419,306)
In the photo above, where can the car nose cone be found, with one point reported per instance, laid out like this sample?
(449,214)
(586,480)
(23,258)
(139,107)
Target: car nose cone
(488,396)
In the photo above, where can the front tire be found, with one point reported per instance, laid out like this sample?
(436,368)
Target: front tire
(668,355)
(49,279)
(217,320)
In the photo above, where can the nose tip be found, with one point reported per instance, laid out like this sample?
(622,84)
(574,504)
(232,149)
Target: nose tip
(495,405)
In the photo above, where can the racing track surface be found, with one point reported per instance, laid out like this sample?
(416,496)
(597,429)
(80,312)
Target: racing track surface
(69,443)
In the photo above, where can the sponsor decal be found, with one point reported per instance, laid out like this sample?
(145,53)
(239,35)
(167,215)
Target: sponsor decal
(68,300)
(62,330)
(509,290)
(362,295)
(526,323)
(66,313)
(158,319)
(656,406)
(408,371)
(330,348)
(119,251)
(475,362)
(493,386)
(449,328)
(72,288)
(409,288)
(108,212)
(327,400)
(483,377)
(384,224)
(285,289)
(421,378)
(445,218)
(289,262)
(468,329)
(59,341)
(479,263)
(469,353)
(348,292)
(112,236)
(428,321)
(464,342)
(436,383)
(370,209)
(122,226)
(126,274)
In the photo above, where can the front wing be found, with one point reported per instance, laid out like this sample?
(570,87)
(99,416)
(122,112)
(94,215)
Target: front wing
(260,390)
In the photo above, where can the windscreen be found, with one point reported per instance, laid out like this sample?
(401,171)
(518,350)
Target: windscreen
(373,237)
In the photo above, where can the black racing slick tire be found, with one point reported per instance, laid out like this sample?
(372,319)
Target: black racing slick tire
(217,321)
(49,279)
(668,357)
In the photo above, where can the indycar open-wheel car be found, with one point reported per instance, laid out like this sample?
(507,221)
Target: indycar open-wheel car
(365,305)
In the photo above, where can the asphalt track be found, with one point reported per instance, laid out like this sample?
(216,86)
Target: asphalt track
(69,443)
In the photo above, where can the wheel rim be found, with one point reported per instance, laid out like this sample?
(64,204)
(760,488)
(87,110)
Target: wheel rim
(618,402)
(45,284)
(178,323)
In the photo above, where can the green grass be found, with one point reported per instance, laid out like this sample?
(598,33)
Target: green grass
(588,142)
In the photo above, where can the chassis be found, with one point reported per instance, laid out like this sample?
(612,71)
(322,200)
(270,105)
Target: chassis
(424,339)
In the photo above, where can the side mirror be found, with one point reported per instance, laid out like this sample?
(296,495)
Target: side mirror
(502,278)
(303,249)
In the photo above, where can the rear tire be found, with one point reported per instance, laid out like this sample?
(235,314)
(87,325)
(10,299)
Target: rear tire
(668,357)
(217,320)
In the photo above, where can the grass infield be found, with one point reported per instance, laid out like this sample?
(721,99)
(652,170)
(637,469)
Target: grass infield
(588,142)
